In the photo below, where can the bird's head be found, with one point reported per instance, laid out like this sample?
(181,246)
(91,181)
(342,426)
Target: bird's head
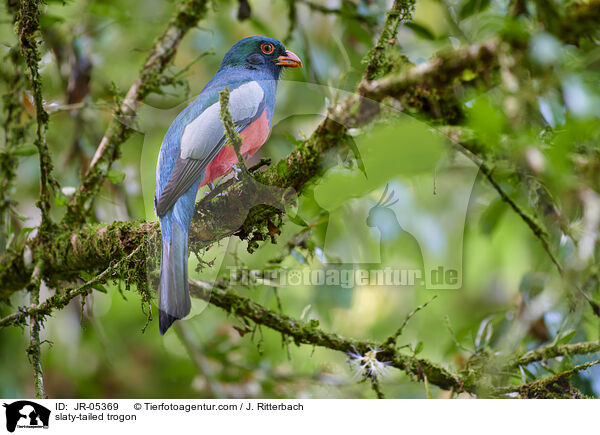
(260,53)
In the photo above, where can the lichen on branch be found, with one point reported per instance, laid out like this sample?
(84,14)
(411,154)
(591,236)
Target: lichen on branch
(27,20)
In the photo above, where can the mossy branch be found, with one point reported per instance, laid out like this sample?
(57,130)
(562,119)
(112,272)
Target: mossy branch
(59,301)
(471,149)
(27,27)
(555,351)
(231,133)
(34,349)
(27,18)
(401,11)
(309,333)
(15,127)
(553,387)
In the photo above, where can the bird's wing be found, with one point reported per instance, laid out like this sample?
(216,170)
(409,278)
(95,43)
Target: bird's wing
(204,137)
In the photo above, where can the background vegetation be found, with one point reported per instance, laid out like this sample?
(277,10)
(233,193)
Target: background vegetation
(513,87)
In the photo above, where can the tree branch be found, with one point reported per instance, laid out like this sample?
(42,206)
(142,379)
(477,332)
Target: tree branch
(391,341)
(233,136)
(469,148)
(33,350)
(309,333)
(61,300)
(556,350)
(552,387)
(15,126)
(27,26)
(401,11)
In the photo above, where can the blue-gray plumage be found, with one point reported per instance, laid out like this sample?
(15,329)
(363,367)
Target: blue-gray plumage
(194,152)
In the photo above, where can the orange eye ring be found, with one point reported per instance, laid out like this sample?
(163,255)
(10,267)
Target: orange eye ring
(267,48)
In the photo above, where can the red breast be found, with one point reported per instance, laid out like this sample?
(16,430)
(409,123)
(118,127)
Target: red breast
(253,137)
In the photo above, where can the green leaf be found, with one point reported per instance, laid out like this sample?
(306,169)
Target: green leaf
(420,30)
(49,20)
(88,277)
(292,139)
(297,220)
(468,75)
(492,216)
(60,200)
(473,7)
(27,150)
(99,287)
(566,336)
(487,119)
(526,373)
(25,231)
(115,176)
(418,348)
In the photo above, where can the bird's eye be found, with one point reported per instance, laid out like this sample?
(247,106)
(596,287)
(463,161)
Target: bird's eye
(267,47)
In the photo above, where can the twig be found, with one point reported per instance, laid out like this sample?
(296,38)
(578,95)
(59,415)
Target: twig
(233,136)
(377,388)
(391,341)
(28,16)
(401,11)
(59,301)
(557,350)
(33,350)
(556,386)
(535,227)
(308,333)
(453,336)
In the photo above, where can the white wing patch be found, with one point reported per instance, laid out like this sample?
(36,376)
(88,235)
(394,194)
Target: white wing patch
(202,134)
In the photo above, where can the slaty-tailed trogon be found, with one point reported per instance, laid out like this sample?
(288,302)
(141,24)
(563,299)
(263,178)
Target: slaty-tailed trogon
(195,152)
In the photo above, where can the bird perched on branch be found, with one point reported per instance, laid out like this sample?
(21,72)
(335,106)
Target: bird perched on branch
(195,152)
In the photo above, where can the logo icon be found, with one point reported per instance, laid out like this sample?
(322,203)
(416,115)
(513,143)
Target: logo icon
(26,414)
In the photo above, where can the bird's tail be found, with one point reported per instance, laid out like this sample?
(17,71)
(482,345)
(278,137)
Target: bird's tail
(173,293)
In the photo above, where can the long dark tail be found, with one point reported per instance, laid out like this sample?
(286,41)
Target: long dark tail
(173,294)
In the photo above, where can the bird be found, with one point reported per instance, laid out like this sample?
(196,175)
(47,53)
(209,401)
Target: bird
(195,152)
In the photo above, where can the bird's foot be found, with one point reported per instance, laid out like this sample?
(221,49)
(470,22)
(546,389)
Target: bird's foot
(211,187)
(236,172)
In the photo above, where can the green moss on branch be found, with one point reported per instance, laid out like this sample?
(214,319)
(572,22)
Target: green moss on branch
(309,333)
(27,27)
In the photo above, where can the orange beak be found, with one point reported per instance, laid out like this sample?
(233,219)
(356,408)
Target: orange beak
(290,60)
